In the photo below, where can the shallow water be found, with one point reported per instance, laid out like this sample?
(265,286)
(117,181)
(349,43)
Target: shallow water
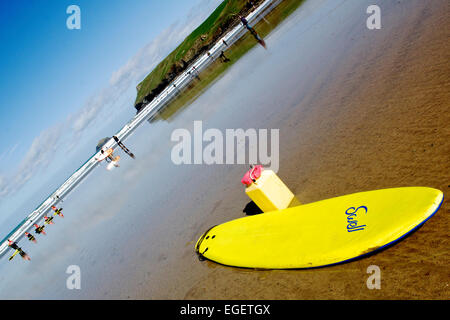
(351,106)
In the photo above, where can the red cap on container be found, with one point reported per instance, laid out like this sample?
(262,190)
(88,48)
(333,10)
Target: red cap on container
(252,175)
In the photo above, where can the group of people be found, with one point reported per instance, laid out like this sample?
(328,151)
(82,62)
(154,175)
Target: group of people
(58,211)
(38,229)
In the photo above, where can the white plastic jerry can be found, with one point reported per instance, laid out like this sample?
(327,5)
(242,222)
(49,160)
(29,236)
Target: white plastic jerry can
(267,191)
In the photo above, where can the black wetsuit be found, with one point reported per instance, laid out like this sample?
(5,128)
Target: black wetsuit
(127,151)
(18,250)
(14,246)
(223,57)
(38,230)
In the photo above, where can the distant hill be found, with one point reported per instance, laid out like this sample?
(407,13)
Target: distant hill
(224,17)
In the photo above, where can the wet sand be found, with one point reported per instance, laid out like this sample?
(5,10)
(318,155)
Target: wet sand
(357,110)
(376,114)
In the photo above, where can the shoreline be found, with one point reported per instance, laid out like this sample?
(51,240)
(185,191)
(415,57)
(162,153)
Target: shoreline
(362,126)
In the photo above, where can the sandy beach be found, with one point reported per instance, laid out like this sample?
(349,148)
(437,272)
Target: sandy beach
(378,118)
(357,110)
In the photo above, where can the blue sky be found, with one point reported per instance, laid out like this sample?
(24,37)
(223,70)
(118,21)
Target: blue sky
(62,90)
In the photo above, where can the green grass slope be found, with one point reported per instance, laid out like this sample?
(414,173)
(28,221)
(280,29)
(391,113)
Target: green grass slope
(201,39)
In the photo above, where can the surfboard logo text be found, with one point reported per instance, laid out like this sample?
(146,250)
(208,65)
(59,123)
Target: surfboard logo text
(352,222)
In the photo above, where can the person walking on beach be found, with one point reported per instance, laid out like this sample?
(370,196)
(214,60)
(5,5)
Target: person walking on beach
(30,237)
(223,57)
(195,73)
(18,250)
(39,229)
(252,31)
(121,145)
(48,220)
(244,21)
(57,211)
(13,245)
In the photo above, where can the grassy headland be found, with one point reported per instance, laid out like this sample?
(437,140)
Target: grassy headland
(199,41)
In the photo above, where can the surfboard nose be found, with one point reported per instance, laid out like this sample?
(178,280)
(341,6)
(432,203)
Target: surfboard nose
(201,245)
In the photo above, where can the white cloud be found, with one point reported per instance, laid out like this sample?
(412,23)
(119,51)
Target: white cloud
(151,54)
(38,156)
(45,146)
(4,189)
(141,64)
(5,154)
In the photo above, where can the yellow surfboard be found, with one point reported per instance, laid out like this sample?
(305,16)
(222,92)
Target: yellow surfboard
(320,233)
